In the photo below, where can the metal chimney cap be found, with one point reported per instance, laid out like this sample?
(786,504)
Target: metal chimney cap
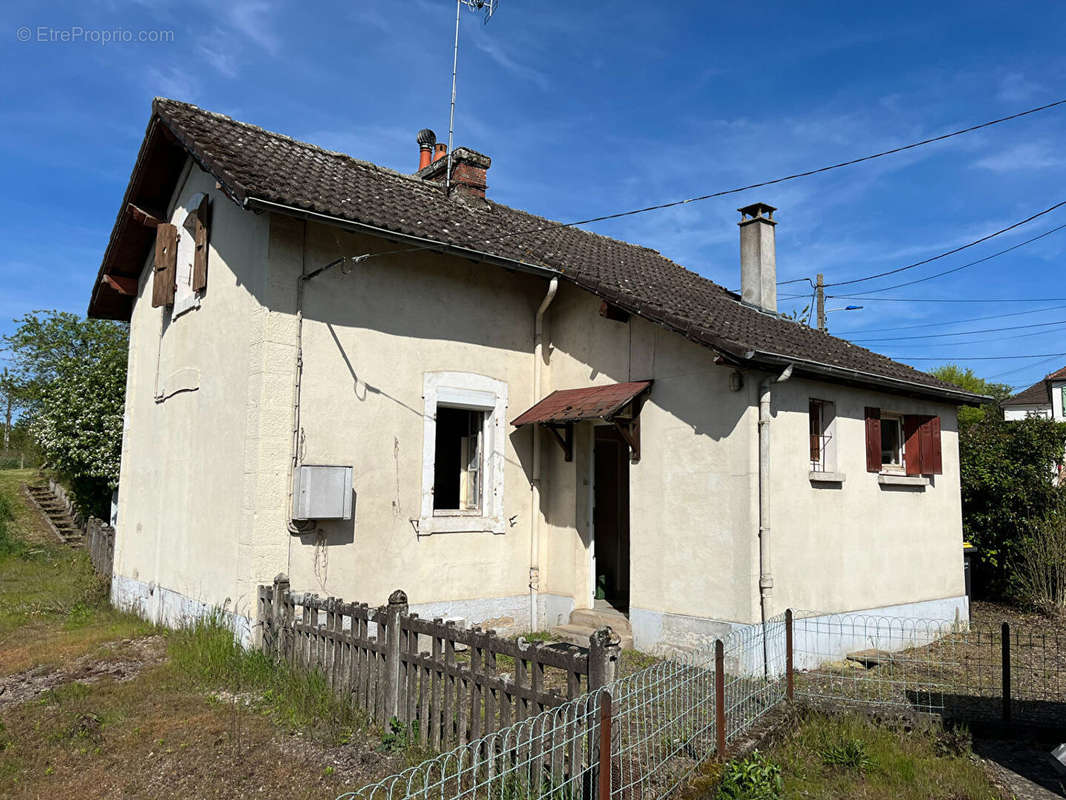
(427,138)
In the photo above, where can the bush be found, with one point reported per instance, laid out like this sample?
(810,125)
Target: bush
(1008,495)
(848,754)
(1042,566)
(752,778)
(9,544)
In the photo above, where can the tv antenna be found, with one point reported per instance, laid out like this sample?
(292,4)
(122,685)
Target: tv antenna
(486,8)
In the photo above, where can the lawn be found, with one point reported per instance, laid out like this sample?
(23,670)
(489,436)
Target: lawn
(97,703)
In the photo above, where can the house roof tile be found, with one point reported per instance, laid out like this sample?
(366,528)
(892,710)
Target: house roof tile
(254,165)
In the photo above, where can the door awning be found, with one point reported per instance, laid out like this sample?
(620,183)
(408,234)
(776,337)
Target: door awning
(562,408)
(574,405)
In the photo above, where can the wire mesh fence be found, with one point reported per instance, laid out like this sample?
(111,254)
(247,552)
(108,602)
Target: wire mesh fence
(951,669)
(641,737)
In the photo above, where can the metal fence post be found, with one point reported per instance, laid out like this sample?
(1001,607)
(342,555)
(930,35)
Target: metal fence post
(604,651)
(789,683)
(605,747)
(397,606)
(719,697)
(1005,643)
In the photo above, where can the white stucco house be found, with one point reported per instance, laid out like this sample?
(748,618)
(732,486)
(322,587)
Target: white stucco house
(370,380)
(1043,399)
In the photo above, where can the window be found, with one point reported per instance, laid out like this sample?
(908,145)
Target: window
(891,442)
(822,416)
(180,271)
(463,453)
(457,467)
(907,443)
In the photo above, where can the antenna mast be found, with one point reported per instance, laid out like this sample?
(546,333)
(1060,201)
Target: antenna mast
(488,7)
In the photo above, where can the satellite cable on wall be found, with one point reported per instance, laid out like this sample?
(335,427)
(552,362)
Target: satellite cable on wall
(488,8)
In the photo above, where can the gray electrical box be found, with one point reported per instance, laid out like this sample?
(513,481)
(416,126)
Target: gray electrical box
(322,492)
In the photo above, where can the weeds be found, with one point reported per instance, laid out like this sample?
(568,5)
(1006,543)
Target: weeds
(752,778)
(848,754)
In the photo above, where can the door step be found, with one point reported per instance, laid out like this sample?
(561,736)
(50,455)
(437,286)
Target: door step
(579,635)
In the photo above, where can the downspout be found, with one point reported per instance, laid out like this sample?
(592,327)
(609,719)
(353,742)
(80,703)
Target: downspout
(534,517)
(766,578)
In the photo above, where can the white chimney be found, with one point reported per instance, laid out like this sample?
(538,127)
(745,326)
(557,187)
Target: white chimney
(758,262)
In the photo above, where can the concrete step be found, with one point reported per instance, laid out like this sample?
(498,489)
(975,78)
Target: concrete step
(579,635)
(597,618)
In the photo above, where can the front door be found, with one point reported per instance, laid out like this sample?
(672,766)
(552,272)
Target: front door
(610,517)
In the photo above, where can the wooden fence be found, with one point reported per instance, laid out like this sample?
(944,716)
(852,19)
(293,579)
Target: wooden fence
(447,684)
(100,541)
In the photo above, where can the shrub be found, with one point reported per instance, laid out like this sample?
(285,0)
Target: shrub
(848,754)
(1042,566)
(752,778)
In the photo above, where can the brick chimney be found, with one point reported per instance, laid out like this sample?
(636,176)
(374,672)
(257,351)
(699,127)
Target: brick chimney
(468,169)
(758,260)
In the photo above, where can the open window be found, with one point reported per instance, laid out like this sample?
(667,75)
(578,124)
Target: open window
(180,272)
(463,451)
(822,439)
(903,443)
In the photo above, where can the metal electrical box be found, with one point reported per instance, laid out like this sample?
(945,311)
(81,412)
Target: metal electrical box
(322,492)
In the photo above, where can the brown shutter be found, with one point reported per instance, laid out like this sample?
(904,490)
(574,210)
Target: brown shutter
(932,458)
(873,439)
(814,413)
(199,264)
(913,452)
(164,275)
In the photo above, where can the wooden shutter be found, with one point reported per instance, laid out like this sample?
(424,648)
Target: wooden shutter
(814,413)
(199,264)
(923,451)
(912,443)
(166,265)
(873,439)
(932,458)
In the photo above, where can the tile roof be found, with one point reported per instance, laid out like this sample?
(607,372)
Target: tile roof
(574,405)
(254,165)
(1039,394)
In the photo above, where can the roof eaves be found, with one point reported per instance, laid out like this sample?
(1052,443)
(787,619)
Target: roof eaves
(960,396)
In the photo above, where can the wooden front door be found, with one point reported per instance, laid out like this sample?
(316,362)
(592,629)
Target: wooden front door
(610,517)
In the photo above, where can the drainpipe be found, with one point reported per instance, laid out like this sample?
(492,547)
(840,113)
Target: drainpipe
(534,518)
(766,578)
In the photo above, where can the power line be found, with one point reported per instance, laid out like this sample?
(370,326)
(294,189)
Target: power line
(983,358)
(1027,366)
(959,321)
(986,341)
(959,249)
(942,299)
(759,185)
(960,333)
(964,266)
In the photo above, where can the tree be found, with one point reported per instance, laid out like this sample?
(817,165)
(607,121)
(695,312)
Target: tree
(965,378)
(70,378)
(1008,494)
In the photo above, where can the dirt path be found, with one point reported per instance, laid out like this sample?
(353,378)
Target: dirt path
(120,661)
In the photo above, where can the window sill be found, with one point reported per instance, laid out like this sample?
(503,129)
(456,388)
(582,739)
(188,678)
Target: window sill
(826,477)
(459,523)
(891,479)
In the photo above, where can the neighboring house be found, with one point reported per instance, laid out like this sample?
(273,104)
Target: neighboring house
(1045,398)
(522,419)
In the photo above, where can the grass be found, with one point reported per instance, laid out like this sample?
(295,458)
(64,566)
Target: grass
(52,605)
(148,713)
(832,757)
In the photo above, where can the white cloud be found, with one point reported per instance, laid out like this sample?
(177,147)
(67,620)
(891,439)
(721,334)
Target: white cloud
(1014,87)
(1028,155)
(252,18)
(503,59)
(223,62)
(173,82)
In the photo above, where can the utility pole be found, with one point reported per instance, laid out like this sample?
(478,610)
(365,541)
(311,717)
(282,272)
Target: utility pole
(819,290)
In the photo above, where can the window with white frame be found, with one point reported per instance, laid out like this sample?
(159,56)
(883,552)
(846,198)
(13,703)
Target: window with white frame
(463,451)
(822,429)
(891,441)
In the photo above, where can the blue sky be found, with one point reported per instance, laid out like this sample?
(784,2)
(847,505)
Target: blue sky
(589,109)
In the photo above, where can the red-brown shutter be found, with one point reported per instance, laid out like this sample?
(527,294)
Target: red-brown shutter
(873,439)
(913,454)
(164,275)
(932,459)
(199,264)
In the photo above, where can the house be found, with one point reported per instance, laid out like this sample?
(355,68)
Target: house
(1045,398)
(369,380)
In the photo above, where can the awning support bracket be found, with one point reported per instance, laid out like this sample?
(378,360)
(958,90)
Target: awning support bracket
(629,428)
(565,439)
